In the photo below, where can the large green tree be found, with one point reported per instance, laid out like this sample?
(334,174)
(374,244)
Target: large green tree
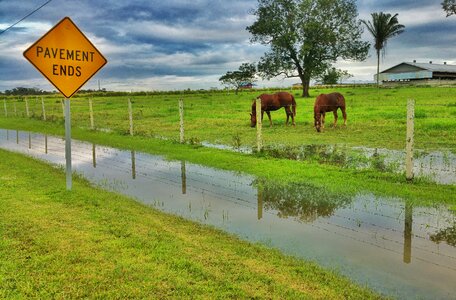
(382,27)
(245,74)
(449,6)
(306,37)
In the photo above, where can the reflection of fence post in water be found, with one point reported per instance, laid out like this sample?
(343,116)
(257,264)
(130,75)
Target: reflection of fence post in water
(17,137)
(260,201)
(45,143)
(7,134)
(183,177)
(408,224)
(409,139)
(30,141)
(94,156)
(259,125)
(133,164)
(130,116)
(181,121)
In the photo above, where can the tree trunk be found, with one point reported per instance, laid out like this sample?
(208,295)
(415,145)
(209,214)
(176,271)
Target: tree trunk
(305,87)
(378,68)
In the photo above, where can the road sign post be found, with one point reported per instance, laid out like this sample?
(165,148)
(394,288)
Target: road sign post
(66,57)
(69,180)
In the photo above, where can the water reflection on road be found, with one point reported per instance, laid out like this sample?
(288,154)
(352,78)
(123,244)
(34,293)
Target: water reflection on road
(396,248)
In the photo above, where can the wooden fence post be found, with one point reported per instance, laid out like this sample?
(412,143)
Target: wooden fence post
(27,108)
(15,109)
(130,114)
(259,125)
(181,118)
(4,104)
(410,139)
(43,109)
(92,124)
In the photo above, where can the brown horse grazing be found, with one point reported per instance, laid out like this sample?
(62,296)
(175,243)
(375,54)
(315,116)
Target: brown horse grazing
(274,102)
(325,103)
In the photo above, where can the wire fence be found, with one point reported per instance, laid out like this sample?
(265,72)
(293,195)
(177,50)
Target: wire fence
(225,120)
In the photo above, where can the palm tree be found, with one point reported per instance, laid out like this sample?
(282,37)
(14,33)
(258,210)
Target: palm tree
(382,27)
(449,6)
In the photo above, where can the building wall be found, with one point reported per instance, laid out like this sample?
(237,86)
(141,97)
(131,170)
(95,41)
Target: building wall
(428,82)
(404,76)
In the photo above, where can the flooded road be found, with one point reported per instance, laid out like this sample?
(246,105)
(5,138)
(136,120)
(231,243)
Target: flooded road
(398,249)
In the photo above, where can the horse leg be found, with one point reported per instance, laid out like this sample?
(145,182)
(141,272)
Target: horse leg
(335,117)
(269,116)
(289,113)
(323,119)
(344,114)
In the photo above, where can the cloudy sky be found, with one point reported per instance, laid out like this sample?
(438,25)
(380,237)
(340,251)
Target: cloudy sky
(179,44)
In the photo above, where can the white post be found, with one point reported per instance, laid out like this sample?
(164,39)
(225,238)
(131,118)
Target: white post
(69,182)
(27,108)
(181,121)
(92,124)
(4,104)
(43,109)
(130,114)
(259,125)
(410,139)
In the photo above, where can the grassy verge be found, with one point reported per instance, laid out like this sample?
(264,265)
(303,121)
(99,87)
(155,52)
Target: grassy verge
(90,243)
(333,178)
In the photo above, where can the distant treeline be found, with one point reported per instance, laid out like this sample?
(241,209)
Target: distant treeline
(22,91)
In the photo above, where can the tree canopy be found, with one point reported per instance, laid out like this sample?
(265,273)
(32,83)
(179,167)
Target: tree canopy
(449,6)
(306,37)
(334,76)
(236,79)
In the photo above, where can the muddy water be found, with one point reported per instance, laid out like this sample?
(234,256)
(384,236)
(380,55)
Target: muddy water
(396,248)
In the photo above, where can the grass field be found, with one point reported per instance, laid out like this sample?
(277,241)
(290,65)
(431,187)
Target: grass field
(159,117)
(90,243)
(138,251)
(376,118)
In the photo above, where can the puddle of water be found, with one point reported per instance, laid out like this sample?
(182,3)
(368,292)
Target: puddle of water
(437,166)
(385,243)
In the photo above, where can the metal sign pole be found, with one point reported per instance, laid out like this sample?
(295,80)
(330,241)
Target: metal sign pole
(68,144)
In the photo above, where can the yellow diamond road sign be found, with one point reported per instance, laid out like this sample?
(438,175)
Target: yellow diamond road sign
(65,57)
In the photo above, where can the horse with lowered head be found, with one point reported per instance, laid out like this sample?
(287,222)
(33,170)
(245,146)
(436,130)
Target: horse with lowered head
(325,103)
(274,102)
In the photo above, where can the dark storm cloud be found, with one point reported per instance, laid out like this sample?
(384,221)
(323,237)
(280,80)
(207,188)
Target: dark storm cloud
(193,39)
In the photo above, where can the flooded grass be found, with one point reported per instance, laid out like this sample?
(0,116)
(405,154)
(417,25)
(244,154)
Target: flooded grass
(90,243)
(401,247)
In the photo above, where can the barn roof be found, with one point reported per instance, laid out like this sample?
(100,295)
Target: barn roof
(425,66)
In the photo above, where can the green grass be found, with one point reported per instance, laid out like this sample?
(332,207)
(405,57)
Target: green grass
(89,243)
(376,118)
(346,181)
